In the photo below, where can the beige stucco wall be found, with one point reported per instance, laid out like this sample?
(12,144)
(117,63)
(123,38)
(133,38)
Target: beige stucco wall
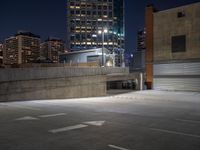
(166,25)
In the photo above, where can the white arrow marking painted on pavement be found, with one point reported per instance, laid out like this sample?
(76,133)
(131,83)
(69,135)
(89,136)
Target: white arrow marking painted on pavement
(95,123)
(52,115)
(85,124)
(68,128)
(26,118)
(117,147)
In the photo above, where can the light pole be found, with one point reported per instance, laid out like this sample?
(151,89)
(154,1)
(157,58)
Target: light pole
(102,32)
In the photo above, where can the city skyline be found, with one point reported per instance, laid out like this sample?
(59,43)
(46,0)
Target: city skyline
(96,95)
(49,18)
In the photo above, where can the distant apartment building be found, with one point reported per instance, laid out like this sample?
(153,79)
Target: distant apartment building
(51,48)
(1,54)
(173,48)
(24,47)
(87,18)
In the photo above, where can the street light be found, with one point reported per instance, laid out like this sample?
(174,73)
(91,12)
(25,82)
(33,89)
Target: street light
(102,32)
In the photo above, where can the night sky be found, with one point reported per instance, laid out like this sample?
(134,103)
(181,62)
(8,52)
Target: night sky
(48,17)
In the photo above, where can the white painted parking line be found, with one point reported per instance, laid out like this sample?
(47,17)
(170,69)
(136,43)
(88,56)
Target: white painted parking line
(95,123)
(175,132)
(26,118)
(23,107)
(117,147)
(68,128)
(190,121)
(52,115)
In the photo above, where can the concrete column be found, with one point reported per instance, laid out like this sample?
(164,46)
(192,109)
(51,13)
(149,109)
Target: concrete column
(149,45)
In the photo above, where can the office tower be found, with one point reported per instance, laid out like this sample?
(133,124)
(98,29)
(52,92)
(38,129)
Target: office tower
(86,18)
(21,48)
(141,40)
(51,48)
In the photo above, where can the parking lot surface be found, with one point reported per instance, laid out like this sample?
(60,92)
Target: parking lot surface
(147,120)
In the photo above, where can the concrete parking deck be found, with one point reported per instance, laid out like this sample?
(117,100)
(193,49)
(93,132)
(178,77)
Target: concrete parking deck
(147,120)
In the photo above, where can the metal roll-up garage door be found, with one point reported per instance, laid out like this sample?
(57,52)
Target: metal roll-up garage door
(177,76)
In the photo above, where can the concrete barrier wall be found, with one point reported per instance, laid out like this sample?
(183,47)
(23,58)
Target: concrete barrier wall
(18,74)
(53,83)
(60,88)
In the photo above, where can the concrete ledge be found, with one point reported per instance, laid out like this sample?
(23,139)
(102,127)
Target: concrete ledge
(60,88)
(54,82)
(19,74)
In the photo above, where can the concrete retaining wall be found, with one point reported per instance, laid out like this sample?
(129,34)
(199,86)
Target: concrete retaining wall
(53,88)
(53,83)
(18,74)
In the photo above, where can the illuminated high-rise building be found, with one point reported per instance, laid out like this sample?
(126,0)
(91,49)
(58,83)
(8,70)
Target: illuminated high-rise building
(24,47)
(51,48)
(85,18)
(141,37)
